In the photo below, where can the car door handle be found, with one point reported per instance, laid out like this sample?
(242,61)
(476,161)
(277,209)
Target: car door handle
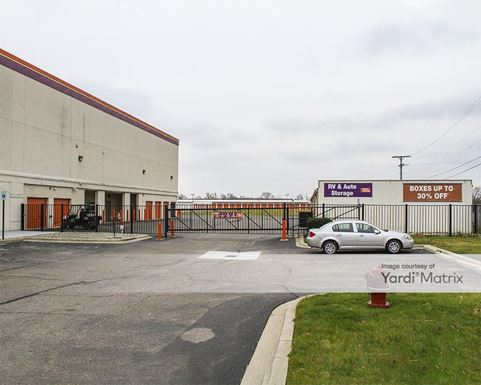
(361,235)
(338,235)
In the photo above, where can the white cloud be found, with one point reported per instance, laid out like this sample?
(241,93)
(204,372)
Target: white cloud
(271,95)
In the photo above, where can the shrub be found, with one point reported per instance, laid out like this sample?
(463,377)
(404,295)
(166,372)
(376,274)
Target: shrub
(314,223)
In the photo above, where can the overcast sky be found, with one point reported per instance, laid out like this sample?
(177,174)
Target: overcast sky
(273,95)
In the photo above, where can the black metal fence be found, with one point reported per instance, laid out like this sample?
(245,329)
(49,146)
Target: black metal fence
(447,219)
(120,219)
(422,219)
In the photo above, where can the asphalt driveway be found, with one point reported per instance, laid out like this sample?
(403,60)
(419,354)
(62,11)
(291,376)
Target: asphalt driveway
(58,327)
(140,313)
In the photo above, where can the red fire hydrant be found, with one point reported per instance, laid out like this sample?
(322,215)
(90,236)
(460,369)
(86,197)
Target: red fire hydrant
(379,300)
(378,289)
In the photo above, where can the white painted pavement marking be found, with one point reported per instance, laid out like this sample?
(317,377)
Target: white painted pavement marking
(232,255)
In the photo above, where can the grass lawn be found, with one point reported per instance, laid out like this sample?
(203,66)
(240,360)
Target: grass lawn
(422,339)
(457,244)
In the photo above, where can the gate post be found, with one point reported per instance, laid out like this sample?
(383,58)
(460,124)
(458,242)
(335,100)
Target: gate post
(323,210)
(476,228)
(22,218)
(166,219)
(406,210)
(450,217)
(362,212)
(287,217)
(42,216)
(205,212)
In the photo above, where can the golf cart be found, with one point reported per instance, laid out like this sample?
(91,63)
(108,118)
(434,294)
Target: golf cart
(81,217)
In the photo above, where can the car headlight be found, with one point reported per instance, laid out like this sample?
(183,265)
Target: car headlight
(407,236)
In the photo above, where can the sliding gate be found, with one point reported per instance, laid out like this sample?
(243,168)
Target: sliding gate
(252,220)
(229,220)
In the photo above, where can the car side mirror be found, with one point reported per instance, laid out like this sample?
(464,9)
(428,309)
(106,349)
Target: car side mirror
(377,232)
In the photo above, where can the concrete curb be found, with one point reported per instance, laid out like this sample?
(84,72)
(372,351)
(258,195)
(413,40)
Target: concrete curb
(10,240)
(268,365)
(93,241)
(453,257)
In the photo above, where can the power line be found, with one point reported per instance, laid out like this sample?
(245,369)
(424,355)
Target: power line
(454,168)
(453,145)
(467,136)
(470,109)
(462,172)
(467,148)
(456,159)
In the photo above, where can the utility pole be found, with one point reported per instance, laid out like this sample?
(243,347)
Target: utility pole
(401,164)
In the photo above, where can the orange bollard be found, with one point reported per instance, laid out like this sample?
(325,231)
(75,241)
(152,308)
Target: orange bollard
(159,231)
(284,230)
(172,228)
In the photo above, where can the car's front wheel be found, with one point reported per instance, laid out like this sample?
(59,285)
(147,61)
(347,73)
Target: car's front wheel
(330,247)
(393,246)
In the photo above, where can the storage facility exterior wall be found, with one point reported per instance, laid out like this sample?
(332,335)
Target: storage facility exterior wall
(58,141)
(388,192)
(387,207)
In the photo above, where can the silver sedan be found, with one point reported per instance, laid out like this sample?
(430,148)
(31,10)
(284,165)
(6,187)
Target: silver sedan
(343,235)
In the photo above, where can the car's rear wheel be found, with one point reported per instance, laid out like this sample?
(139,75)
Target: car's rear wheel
(330,247)
(393,246)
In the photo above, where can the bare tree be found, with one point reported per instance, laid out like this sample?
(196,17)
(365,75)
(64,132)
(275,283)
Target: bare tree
(182,196)
(477,195)
(267,195)
(209,195)
(231,196)
(299,197)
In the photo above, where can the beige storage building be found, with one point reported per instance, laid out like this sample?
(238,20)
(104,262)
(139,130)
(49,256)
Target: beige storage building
(417,206)
(393,192)
(62,145)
